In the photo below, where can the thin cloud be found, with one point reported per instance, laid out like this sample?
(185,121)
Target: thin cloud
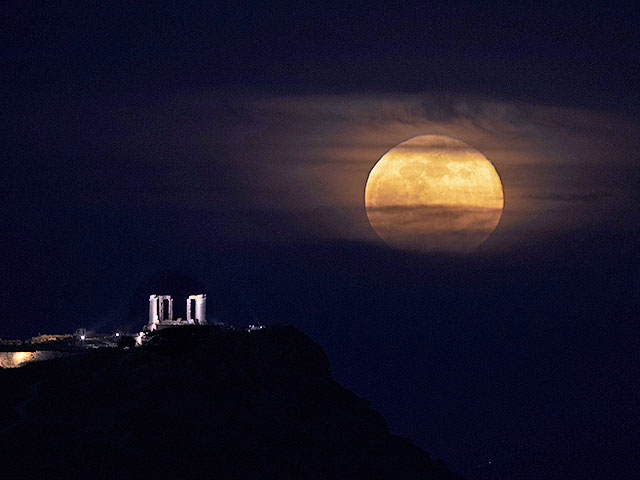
(288,154)
(571,197)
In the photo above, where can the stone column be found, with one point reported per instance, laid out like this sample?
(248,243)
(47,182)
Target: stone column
(189,319)
(200,314)
(201,308)
(154,312)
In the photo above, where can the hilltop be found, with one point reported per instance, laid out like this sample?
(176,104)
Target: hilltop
(199,401)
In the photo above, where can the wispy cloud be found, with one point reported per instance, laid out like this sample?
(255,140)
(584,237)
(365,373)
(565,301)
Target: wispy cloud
(292,154)
(310,151)
(571,197)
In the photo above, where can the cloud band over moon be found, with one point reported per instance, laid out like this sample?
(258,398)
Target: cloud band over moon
(441,227)
(295,166)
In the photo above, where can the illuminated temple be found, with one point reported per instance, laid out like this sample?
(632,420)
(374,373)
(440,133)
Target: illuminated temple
(161,312)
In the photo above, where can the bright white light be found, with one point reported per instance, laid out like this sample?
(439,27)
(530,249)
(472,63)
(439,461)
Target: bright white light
(117,334)
(81,337)
(20,357)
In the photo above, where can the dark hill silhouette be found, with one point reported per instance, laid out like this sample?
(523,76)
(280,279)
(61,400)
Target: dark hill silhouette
(202,402)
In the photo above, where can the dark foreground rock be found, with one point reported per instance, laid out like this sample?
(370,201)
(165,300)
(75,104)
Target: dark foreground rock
(199,402)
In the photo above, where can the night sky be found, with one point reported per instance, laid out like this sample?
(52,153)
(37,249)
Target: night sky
(227,148)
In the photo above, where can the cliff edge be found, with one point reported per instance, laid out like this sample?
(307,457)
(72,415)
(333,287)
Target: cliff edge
(203,402)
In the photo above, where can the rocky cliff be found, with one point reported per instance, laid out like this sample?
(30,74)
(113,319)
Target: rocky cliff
(202,402)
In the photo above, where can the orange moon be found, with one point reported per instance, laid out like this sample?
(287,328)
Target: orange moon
(434,193)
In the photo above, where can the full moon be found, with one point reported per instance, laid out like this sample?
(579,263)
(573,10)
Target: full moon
(434,193)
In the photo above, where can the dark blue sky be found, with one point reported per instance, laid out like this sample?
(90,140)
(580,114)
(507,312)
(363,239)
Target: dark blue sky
(582,56)
(226,149)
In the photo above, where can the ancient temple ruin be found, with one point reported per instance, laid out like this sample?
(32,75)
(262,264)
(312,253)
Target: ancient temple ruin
(161,312)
